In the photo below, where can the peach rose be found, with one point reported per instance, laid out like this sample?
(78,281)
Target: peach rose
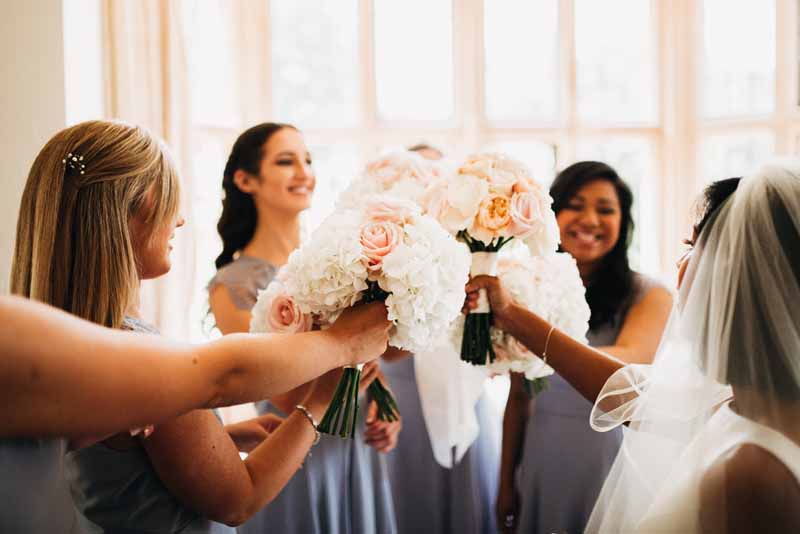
(378,239)
(494,216)
(286,318)
(391,209)
(526,215)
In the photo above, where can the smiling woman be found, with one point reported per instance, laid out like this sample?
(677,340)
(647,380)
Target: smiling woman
(593,208)
(268,183)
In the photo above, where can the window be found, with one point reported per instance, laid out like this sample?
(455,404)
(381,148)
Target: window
(672,94)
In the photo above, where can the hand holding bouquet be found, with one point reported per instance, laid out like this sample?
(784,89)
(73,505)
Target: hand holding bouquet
(388,251)
(490,201)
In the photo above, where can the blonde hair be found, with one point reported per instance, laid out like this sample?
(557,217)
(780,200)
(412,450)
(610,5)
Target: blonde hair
(74,248)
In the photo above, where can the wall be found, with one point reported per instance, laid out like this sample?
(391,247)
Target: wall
(32,108)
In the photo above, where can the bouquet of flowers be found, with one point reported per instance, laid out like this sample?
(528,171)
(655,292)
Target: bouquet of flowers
(387,250)
(489,201)
(549,286)
(402,174)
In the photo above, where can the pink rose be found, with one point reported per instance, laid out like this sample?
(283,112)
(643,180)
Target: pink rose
(526,215)
(397,166)
(285,317)
(391,209)
(378,239)
(493,218)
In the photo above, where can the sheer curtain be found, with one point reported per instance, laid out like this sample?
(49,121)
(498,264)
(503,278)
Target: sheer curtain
(146,84)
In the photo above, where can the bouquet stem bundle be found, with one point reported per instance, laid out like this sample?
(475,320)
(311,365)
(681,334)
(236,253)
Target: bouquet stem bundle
(476,345)
(535,386)
(342,414)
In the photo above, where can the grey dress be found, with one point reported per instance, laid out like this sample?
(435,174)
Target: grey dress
(427,496)
(119,491)
(34,497)
(564,462)
(343,486)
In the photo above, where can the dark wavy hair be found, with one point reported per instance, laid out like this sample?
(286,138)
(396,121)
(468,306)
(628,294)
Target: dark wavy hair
(714,195)
(612,285)
(239,218)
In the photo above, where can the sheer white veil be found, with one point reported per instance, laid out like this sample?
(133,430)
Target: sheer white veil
(735,328)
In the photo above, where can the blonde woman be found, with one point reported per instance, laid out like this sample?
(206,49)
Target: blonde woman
(268,182)
(104,380)
(98,212)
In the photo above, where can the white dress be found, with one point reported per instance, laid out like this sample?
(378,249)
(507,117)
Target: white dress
(676,508)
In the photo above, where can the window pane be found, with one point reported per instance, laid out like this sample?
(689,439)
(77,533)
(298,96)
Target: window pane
(634,160)
(314,62)
(212,65)
(205,167)
(414,59)
(521,66)
(335,165)
(735,154)
(616,61)
(539,156)
(739,65)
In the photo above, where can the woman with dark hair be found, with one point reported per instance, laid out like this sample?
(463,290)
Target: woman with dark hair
(553,464)
(343,486)
(712,443)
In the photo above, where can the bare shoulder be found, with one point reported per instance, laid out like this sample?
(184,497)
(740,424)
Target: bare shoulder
(749,490)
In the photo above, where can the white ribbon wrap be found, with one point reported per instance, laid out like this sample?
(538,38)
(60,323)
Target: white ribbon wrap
(483,263)
(449,389)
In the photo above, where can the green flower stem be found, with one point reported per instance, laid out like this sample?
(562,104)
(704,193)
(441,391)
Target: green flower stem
(342,413)
(387,407)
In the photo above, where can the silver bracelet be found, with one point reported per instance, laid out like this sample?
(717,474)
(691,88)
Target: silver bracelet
(547,344)
(311,420)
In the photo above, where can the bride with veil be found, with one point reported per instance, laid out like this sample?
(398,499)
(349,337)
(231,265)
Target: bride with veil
(712,442)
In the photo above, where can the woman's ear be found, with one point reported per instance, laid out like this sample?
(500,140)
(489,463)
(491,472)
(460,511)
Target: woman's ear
(245,181)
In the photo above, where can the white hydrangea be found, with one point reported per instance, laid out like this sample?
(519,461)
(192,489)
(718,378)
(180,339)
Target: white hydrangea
(424,270)
(327,273)
(551,287)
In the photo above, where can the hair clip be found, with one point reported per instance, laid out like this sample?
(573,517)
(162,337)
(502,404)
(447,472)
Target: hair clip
(75,162)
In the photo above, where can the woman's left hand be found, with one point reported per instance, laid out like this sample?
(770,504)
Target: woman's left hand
(381,435)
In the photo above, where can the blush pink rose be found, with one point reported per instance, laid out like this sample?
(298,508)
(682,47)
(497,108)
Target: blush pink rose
(390,209)
(378,239)
(285,317)
(526,215)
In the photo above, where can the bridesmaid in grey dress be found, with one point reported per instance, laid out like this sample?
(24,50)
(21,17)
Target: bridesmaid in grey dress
(343,486)
(117,489)
(553,463)
(427,496)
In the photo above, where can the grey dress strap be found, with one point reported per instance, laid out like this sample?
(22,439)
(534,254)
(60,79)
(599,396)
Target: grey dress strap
(118,491)
(243,278)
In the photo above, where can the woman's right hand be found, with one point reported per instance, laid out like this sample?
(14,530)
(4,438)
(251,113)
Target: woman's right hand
(499,298)
(368,374)
(507,509)
(363,330)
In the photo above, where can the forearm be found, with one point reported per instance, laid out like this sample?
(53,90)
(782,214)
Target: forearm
(63,376)
(273,463)
(248,367)
(247,435)
(515,420)
(584,367)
